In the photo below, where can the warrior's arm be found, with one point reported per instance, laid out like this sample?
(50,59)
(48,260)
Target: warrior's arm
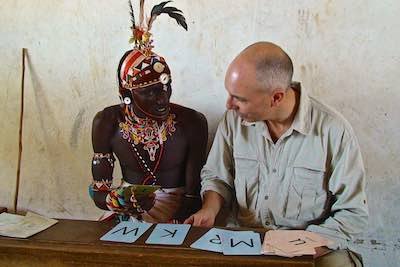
(105,125)
(103,160)
(197,133)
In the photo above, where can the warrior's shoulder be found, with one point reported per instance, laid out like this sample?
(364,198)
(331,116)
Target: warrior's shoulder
(188,115)
(109,114)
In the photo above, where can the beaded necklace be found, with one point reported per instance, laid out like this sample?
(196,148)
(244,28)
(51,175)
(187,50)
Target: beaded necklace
(152,135)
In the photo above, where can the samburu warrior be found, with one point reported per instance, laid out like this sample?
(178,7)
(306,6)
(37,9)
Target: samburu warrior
(156,142)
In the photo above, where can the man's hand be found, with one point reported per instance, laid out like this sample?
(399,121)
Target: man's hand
(189,206)
(204,218)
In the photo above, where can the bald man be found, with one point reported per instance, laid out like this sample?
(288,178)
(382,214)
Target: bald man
(282,159)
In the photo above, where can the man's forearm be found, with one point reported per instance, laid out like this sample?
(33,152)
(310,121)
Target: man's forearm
(188,207)
(213,201)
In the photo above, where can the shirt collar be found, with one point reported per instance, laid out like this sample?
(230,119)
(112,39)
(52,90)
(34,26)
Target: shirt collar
(302,119)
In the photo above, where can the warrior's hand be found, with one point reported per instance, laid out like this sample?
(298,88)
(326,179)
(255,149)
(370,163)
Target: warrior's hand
(139,198)
(146,202)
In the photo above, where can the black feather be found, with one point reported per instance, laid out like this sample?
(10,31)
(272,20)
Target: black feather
(180,19)
(173,12)
(170,9)
(157,9)
(132,15)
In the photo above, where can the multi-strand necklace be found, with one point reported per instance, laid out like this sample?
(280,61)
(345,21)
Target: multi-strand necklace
(151,135)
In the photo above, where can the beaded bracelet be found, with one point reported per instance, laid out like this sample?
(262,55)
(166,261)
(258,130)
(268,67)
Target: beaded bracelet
(103,185)
(97,157)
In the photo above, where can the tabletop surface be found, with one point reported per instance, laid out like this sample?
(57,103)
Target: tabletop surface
(79,241)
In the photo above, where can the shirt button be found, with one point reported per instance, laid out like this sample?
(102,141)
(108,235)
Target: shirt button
(266,197)
(274,170)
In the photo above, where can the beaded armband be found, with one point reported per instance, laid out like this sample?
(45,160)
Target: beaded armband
(97,157)
(101,186)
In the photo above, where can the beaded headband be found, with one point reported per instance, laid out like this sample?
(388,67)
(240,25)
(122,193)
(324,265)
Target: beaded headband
(141,67)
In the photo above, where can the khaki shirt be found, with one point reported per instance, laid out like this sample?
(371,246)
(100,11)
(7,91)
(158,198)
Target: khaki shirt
(312,178)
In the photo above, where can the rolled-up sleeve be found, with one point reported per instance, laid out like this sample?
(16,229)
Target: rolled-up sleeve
(217,175)
(349,211)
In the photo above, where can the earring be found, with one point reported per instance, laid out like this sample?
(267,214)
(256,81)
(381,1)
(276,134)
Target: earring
(127,101)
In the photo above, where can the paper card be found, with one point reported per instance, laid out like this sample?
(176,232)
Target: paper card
(290,243)
(126,232)
(319,238)
(210,241)
(9,219)
(241,243)
(23,226)
(267,249)
(294,241)
(168,234)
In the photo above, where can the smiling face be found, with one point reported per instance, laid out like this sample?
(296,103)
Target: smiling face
(152,101)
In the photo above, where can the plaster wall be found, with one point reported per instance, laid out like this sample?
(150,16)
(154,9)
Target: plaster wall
(346,53)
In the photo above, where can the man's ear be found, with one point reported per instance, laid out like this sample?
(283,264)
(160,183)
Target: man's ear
(277,97)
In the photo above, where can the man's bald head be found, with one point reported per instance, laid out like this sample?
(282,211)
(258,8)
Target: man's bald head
(273,68)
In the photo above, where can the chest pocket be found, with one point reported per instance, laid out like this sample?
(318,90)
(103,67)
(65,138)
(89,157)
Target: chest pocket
(247,170)
(307,192)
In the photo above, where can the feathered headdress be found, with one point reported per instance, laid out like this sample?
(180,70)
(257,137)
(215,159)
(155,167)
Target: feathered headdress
(141,67)
(141,36)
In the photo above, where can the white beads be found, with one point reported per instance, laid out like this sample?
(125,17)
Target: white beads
(144,164)
(164,78)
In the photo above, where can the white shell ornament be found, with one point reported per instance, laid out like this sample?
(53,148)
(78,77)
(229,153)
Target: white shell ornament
(158,67)
(127,100)
(164,78)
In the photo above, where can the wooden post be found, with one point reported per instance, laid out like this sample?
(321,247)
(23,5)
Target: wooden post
(21,117)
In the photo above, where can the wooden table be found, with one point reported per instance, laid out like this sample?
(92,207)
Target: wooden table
(76,243)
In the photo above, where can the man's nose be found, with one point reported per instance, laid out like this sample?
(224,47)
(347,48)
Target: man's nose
(162,98)
(230,104)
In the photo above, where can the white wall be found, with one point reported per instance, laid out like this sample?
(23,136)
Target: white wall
(346,53)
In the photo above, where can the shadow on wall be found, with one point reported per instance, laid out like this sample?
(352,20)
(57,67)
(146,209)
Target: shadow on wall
(49,149)
(45,114)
